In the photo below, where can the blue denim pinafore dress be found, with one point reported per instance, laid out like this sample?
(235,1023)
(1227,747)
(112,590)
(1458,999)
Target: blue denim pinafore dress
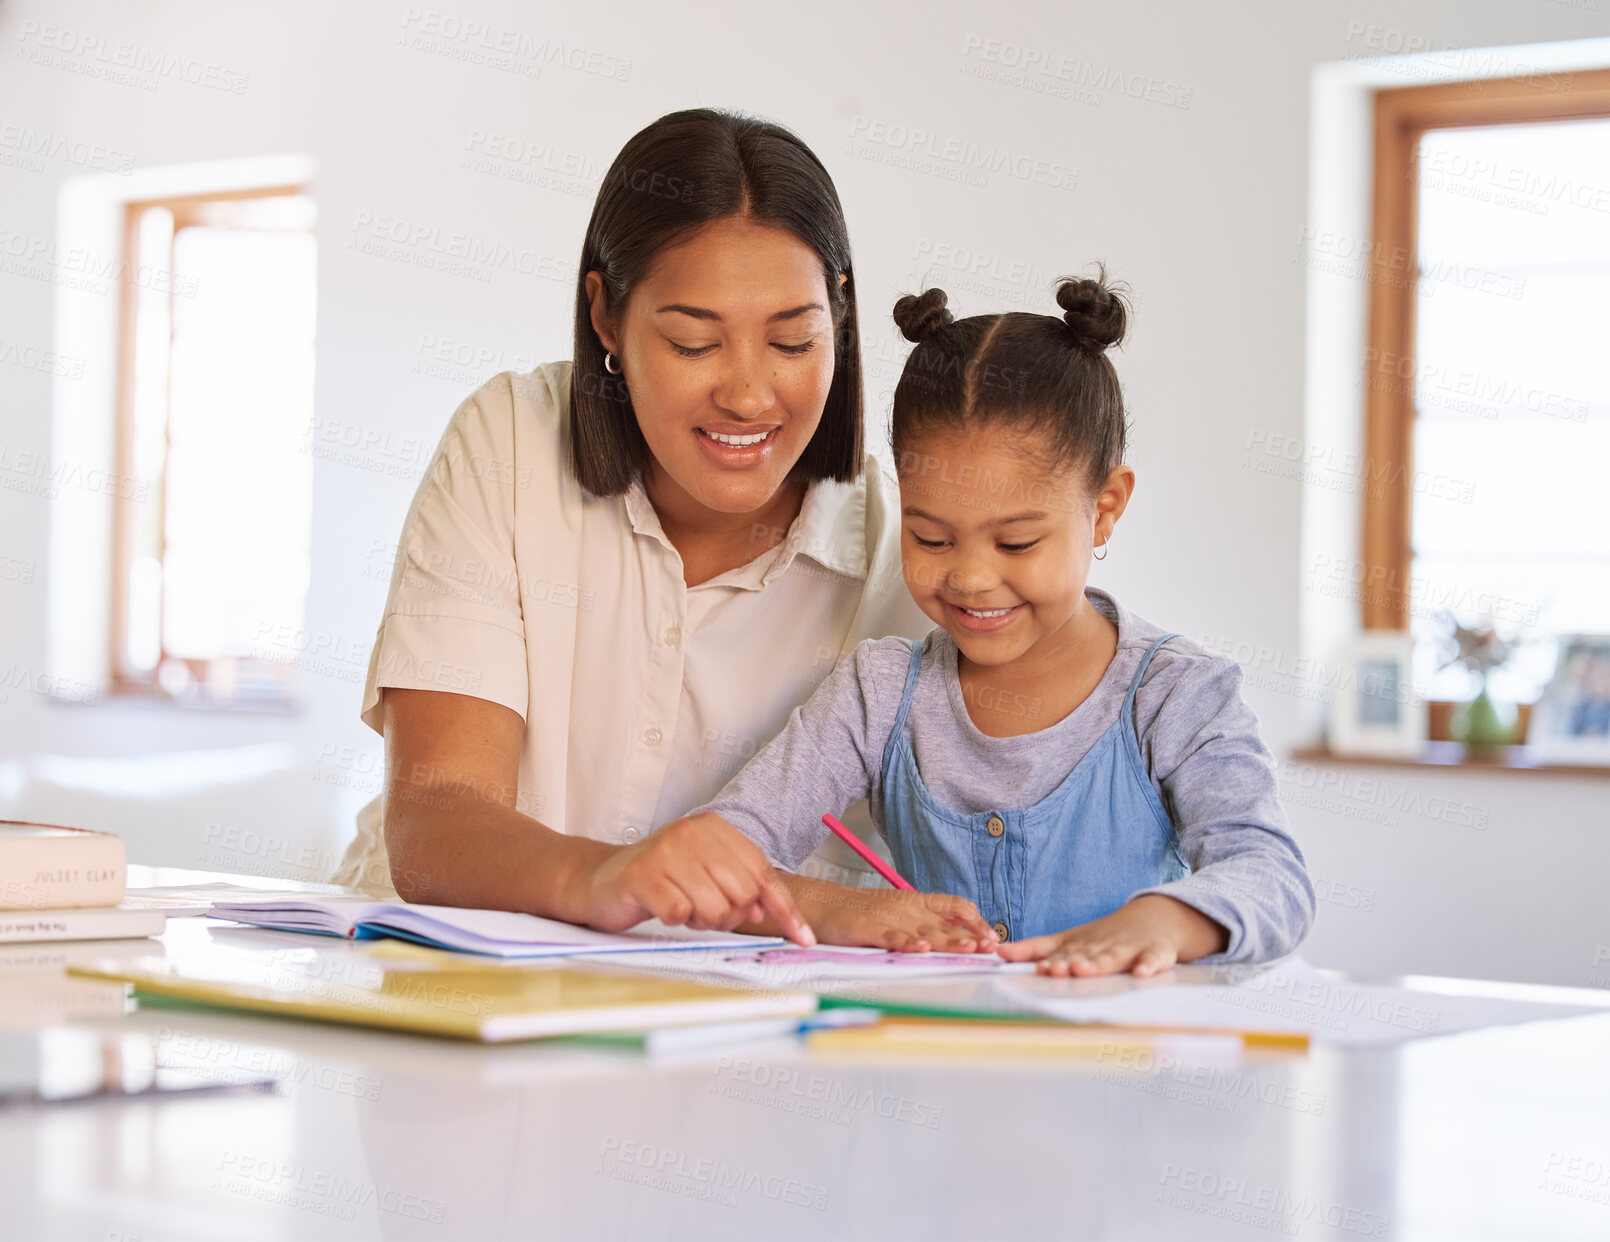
(1079,853)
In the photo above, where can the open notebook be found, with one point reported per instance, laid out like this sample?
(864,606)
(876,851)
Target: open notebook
(497,933)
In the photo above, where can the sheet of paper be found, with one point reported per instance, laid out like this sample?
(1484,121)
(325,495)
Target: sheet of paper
(1288,996)
(790,966)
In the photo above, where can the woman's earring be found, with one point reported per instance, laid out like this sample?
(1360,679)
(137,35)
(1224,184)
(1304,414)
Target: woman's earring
(612,364)
(1104,547)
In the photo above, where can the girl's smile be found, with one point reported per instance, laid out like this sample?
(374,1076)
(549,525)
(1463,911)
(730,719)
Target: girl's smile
(999,573)
(983,620)
(996,544)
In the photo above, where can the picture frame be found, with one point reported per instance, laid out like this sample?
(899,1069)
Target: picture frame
(1571,722)
(1375,711)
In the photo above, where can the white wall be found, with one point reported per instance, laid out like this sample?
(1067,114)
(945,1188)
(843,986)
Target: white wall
(1200,207)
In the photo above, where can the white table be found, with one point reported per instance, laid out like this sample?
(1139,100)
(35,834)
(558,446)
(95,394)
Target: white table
(1497,1134)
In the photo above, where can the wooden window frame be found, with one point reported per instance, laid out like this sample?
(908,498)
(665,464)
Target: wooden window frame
(1402,117)
(186,209)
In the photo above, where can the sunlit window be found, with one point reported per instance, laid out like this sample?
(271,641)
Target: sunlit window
(1512,388)
(217,399)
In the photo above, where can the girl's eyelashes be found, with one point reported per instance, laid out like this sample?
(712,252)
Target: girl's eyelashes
(1004,547)
(691,351)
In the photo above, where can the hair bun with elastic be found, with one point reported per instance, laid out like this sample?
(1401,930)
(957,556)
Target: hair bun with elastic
(1094,313)
(922,315)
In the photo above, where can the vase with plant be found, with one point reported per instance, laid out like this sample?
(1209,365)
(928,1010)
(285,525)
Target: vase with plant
(1482,723)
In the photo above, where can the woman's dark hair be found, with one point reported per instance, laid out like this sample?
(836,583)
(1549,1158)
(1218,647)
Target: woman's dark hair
(671,179)
(1046,378)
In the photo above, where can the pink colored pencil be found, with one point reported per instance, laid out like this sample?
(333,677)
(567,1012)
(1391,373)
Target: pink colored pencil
(854,842)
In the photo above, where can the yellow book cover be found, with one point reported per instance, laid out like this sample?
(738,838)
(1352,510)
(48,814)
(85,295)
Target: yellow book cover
(492,1003)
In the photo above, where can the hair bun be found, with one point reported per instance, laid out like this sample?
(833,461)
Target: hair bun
(922,315)
(1094,313)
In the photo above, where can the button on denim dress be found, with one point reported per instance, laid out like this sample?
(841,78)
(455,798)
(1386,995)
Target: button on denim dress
(1098,838)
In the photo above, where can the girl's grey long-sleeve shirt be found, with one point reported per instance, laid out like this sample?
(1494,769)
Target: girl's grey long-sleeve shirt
(1198,737)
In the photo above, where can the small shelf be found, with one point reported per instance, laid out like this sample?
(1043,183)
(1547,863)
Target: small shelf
(1454,755)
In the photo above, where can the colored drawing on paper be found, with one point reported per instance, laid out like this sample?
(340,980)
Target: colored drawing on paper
(794,956)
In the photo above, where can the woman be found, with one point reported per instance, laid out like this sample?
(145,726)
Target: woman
(618,577)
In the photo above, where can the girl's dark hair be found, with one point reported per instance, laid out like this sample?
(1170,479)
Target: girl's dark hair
(671,179)
(1038,375)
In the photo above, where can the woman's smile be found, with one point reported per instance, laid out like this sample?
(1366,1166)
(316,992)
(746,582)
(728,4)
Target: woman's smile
(737,449)
(727,345)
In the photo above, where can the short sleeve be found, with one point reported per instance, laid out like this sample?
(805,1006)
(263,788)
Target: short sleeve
(453,620)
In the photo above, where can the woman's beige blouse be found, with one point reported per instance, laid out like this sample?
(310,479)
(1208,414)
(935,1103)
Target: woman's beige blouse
(640,696)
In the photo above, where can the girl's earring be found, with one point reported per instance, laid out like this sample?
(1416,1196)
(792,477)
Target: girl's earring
(612,364)
(1104,548)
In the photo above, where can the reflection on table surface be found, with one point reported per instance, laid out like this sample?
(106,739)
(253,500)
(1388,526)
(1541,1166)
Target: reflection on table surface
(1501,1133)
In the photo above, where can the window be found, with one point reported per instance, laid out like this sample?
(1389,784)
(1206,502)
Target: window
(1487,386)
(215,397)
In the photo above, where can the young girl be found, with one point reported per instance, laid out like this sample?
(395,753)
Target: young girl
(1093,784)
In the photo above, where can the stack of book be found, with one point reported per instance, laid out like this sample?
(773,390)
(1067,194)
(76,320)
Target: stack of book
(66,884)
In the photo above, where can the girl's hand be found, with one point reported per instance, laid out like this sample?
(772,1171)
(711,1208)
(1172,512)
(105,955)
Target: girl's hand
(1146,936)
(697,872)
(886,918)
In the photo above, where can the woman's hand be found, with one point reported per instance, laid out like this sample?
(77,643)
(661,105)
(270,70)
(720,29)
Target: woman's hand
(697,872)
(1146,936)
(887,918)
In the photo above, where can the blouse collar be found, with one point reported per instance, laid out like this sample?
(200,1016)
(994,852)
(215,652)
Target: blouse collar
(830,530)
